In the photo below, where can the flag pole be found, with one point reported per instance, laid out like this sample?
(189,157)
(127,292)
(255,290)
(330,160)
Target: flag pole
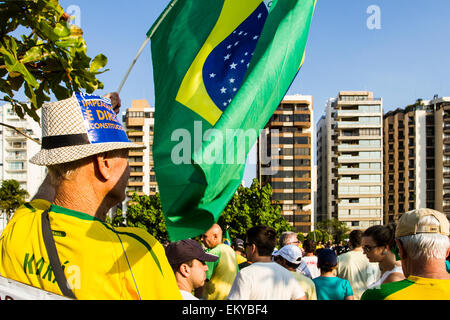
(132,64)
(150,34)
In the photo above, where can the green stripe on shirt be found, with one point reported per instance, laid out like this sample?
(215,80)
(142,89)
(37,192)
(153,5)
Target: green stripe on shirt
(386,290)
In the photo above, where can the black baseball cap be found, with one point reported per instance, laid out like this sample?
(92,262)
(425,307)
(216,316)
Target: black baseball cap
(186,250)
(238,243)
(326,257)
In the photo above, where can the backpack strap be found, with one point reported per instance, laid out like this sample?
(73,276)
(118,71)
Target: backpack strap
(49,242)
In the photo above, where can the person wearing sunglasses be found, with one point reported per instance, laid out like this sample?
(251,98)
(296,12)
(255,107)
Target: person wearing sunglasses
(379,245)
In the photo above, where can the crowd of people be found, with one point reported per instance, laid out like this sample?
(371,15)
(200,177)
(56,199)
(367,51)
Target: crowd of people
(379,263)
(59,241)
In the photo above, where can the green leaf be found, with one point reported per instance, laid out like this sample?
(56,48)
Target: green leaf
(99,62)
(47,31)
(29,92)
(32,55)
(62,30)
(13,65)
(15,83)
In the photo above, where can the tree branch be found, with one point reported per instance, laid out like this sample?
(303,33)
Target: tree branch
(20,131)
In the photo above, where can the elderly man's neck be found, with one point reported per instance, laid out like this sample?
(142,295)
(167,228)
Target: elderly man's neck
(82,199)
(432,268)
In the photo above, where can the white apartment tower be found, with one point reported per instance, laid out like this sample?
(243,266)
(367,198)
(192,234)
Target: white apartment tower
(16,150)
(350,160)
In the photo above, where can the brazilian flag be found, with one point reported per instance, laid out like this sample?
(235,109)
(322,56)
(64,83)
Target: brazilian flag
(227,238)
(221,68)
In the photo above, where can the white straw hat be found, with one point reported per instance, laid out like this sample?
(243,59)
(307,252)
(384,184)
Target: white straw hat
(79,127)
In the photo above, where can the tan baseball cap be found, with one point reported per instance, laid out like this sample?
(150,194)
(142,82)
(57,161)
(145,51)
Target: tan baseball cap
(408,223)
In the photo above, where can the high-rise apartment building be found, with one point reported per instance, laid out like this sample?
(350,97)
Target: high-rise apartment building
(350,160)
(285,160)
(417,158)
(16,150)
(139,124)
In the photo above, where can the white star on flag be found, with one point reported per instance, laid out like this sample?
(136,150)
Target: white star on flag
(227,56)
(223,90)
(233,65)
(212,75)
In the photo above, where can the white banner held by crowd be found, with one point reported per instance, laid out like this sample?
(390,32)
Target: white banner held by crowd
(13,290)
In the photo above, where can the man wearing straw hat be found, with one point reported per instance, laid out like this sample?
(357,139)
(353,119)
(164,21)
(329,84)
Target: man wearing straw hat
(59,242)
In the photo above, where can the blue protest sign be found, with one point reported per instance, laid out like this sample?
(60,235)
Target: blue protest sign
(101,121)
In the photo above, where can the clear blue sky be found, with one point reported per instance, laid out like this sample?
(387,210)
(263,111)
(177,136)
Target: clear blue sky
(407,59)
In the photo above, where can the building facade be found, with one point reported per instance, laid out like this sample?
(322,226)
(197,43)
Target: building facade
(16,150)
(417,158)
(350,160)
(139,124)
(285,160)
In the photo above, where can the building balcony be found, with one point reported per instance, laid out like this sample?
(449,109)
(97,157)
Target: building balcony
(137,174)
(9,159)
(134,133)
(16,147)
(16,170)
(133,122)
(357,147)
(139,193)
(15,137)
(353,113)
(302,124)
(356,124)
(135,153)
(343,159)
(135,184)
(342,171)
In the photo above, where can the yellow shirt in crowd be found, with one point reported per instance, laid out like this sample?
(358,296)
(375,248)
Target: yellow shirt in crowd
(99,262)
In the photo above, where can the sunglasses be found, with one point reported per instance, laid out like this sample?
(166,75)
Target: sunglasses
(246,244)
(368,248)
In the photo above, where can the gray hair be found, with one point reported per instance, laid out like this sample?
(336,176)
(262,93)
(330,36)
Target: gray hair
(426,245)
(286,236)
(60,172)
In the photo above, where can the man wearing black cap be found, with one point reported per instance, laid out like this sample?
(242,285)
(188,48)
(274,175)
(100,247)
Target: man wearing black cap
(187,259)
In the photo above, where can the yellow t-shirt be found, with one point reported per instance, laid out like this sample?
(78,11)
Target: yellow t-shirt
(99,262)
(240,259)
(413,288)
(221,274)
(307,285)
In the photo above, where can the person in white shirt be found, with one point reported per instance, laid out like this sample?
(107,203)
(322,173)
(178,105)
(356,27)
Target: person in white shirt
(355,267)
(264,279)
(187,259)
(310,259)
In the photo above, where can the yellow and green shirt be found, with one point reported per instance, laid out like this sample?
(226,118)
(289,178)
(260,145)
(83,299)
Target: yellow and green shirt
(99,262)
(413,288)
(221,273)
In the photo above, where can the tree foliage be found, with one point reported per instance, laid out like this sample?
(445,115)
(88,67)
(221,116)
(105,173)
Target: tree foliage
(250,207)
(48,58)
(146,213)
(12,196)
(338,229)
